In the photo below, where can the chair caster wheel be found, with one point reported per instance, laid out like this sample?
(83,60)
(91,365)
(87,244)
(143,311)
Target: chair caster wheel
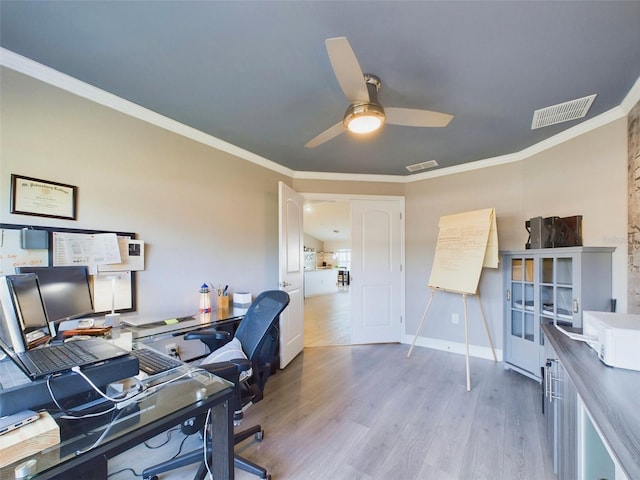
(259,436)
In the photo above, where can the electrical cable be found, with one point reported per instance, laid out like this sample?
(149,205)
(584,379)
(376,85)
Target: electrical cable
(116,400)
(102,435)
(168,432)
(177,454)
(126,469)
(204,444)
(68,413)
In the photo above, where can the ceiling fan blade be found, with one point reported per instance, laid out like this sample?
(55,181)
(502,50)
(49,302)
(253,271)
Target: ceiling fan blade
(412,117)
(347,69)
(325,136)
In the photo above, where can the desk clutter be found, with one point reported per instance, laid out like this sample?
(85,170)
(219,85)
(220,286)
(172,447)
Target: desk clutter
(91,332)
(82,383)
(29,439)
(223,295)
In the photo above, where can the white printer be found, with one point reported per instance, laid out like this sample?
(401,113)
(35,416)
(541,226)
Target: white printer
(617,337)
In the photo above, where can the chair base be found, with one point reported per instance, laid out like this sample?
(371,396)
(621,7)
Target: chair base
(195,456)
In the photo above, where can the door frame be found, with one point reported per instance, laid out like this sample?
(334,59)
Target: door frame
(350,197)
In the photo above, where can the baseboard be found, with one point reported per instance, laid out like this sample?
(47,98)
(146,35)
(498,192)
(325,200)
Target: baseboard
(454,347)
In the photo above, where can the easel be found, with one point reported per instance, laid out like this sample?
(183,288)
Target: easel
(467,242)
(466,329)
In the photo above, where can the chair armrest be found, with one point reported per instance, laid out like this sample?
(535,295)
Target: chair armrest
(214,339)
(206,334)
(236,365)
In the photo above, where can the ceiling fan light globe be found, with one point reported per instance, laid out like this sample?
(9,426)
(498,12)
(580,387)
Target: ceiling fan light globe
(364,118)
(365,124)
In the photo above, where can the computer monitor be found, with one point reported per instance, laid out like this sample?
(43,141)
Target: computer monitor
(65,290)
(24,322)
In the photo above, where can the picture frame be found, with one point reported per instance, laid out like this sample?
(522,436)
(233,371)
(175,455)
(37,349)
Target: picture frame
(43,198)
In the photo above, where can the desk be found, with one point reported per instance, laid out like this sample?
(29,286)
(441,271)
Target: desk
(167,406)
(609,394)
(153,331)
(160,335)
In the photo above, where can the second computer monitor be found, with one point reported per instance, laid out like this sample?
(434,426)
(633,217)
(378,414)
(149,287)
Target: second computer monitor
(65,290)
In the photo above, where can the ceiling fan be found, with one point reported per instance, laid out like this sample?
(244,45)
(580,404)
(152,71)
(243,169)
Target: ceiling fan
(365,114)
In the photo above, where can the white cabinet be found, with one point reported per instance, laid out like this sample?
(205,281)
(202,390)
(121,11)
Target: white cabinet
(320,282)
(545,286)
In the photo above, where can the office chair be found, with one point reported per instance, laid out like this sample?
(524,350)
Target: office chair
(246,360)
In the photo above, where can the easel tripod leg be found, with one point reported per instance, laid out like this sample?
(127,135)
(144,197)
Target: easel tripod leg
(466,341)
(486,328)
(424,315)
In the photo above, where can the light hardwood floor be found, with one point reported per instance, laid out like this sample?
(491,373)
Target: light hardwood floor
(327,319)
(369,412)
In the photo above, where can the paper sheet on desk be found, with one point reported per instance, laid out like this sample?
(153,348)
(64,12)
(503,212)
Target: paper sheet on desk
(577,336)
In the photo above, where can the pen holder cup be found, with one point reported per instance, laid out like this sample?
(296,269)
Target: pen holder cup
(223,301)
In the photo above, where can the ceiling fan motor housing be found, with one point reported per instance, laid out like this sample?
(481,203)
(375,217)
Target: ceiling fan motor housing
(364,117)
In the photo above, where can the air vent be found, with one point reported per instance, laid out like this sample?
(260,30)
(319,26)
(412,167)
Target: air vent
(563,112)
(422,166)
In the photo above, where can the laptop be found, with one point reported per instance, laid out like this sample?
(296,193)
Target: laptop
(25,333)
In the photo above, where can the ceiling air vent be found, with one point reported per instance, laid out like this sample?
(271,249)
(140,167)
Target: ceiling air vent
(422,166)
(563,112)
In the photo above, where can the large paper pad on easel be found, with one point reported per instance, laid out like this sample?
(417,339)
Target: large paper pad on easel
(466,242)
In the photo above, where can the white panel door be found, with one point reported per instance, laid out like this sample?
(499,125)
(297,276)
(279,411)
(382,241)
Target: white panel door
(291,270)
(376,271)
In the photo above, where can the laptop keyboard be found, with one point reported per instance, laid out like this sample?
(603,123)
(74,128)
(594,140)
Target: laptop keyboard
(56,358)
(152,362)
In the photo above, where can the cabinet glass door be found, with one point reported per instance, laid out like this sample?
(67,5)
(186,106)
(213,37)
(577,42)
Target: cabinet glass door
(556,291)
(523,330)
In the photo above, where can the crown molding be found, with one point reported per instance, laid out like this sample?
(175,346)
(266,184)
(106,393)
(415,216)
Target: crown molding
(63,81)
(53,77)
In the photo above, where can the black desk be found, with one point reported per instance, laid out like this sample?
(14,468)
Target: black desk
(161,409)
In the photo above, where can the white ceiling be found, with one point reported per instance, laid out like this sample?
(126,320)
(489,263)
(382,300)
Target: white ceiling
(256,74)
(327,220)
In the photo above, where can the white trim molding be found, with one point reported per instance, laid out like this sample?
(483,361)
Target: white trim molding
(453,347)
(46,74)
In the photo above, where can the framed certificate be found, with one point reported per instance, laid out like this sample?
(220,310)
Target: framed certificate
(32,196)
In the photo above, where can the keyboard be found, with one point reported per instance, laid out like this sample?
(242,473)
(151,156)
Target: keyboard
(152,362)
(55,358)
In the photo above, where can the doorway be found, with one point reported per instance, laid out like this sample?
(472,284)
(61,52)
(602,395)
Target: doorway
(327,245)
(376,252)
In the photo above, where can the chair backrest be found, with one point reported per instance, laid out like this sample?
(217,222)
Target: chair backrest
(259,322)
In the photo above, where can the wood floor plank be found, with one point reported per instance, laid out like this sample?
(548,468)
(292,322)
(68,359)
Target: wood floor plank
(524,458)
(453,430)
(482,457)
(407,456)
